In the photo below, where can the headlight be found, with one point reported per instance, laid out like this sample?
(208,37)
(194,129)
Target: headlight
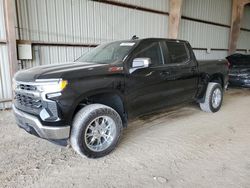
(51,85)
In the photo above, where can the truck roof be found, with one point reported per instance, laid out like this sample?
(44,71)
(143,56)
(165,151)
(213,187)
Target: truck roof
(145,39)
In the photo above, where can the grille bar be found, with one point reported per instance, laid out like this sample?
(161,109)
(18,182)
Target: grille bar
(28,101)
(26,95)
(27,87)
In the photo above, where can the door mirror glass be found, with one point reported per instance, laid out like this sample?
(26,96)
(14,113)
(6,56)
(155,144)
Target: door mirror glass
(140,63)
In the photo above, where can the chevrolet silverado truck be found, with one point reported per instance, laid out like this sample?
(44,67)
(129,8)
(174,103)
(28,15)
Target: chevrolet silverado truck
(88,102)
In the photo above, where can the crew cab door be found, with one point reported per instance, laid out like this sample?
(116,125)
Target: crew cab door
(170,79)
(143,86)
(180,72)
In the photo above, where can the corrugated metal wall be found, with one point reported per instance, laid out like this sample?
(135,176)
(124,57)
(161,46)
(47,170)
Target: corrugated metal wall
(204,54)
(211,10)
(244,39)
(205,35)
(201,35)
(246,18)
(162,5)
(5,79)
(83,21)
(44,55)
(2,25)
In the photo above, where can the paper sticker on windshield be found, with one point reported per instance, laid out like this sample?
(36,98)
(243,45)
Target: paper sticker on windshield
(127,44)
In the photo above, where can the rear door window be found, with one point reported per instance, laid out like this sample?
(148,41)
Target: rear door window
(178,52)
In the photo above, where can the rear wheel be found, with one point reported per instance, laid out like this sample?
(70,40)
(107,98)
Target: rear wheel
(213,98)
(96,130)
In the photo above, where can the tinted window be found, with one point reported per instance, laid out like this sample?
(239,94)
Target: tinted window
(177,52)
(108,53)
(150,50)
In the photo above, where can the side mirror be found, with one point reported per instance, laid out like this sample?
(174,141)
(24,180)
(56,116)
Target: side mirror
(140,63)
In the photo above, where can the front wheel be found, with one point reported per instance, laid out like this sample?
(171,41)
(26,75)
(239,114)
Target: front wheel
(96,130)
(213,98)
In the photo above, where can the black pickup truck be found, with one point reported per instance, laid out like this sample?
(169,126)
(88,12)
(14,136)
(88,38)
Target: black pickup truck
(87,103)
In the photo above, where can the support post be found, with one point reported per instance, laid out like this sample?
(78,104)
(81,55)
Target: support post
(9,8)
(174,18)
(237,14)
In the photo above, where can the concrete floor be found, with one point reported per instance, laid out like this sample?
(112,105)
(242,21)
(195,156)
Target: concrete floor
(184,147)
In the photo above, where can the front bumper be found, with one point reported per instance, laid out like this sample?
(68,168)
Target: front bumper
(32,125)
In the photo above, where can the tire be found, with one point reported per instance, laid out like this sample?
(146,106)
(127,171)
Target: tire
(89,124)
(212,91)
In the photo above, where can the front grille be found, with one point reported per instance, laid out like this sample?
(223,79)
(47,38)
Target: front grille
(26,100)
(29,99)
(27,87)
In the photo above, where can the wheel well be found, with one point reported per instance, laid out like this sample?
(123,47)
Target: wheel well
(218,78)
(109,99)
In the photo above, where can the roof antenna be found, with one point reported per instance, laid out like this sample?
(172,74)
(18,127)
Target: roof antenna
(134,37)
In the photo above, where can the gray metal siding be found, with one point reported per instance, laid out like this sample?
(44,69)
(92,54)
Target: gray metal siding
(218,11)
(2,23)
(244,40)
(5,79)
(204,54)
(201,35)
(45,55)
(162,5)
(246,18)
(23,20)
(83,21)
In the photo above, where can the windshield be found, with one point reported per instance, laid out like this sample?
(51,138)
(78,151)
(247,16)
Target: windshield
(108,53)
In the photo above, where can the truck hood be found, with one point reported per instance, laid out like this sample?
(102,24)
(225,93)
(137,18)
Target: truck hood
(69,70)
